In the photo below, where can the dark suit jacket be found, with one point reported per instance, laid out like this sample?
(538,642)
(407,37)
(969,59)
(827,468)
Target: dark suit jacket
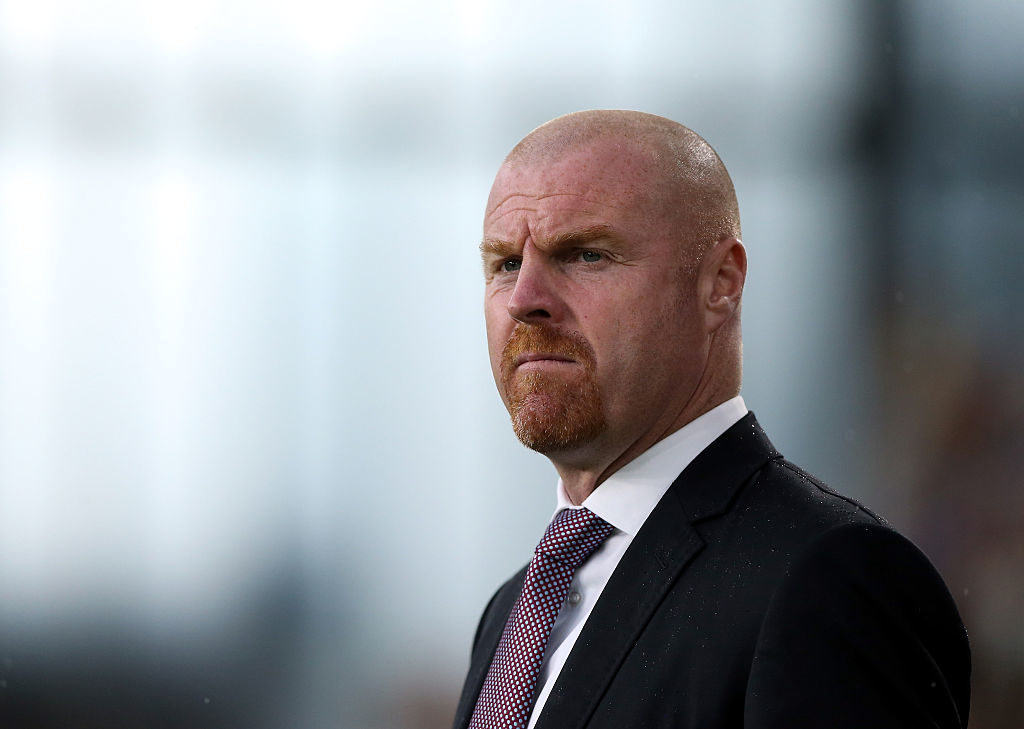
(754,596)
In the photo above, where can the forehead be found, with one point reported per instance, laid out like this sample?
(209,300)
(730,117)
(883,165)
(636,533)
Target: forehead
(608,182)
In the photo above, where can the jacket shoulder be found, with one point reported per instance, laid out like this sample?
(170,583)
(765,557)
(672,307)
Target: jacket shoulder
(864,623)
(787,490)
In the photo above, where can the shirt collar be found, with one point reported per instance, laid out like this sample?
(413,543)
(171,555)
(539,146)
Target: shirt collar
(629,495)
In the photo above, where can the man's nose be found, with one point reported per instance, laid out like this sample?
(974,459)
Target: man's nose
(535,297)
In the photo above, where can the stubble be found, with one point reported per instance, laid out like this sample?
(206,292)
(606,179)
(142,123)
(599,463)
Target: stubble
(552,410)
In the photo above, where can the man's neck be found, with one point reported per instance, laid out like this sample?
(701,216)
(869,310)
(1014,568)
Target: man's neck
(584,469)
(581,475)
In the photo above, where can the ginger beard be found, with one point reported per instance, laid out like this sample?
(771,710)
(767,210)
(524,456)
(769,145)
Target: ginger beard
(552,410)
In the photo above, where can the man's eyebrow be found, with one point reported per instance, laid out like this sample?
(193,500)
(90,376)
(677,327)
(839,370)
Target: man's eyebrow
(496,247)
(580,237)
(569,239)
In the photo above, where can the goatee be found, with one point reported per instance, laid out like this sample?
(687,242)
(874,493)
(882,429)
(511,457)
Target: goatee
(552,410)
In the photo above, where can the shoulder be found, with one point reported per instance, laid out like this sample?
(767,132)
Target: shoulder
(866,623)
(831,543)
(868,566)
(741,471)
(786,509)
(794,488)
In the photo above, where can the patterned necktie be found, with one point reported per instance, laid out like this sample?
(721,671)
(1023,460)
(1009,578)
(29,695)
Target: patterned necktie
(506,699)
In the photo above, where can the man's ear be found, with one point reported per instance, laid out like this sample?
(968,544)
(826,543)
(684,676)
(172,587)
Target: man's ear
(722,277)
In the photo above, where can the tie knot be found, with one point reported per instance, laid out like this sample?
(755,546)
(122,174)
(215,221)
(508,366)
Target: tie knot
(573,535)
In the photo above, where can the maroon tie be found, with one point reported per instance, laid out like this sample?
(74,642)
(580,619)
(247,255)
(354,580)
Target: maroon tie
(506,699)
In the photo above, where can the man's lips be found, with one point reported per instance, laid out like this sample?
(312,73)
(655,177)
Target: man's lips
(528,357)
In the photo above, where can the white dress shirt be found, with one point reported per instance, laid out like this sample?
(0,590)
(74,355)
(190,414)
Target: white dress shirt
(625,501)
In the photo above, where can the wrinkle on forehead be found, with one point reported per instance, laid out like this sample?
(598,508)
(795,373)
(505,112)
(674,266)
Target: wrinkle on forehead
(493,214)
(569,238)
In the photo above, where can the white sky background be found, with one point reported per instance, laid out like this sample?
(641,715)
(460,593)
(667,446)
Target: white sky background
(240,325)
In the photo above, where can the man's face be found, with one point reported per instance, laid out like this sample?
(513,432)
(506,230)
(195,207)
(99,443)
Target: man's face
(594,334)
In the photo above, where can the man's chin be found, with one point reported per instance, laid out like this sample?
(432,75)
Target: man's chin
(554,428)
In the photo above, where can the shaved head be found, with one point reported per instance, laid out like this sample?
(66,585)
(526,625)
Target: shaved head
(685,178)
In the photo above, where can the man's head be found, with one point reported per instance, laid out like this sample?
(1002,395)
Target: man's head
(613,275)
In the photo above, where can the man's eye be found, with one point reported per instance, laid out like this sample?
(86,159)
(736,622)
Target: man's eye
(590,256)
(510,265)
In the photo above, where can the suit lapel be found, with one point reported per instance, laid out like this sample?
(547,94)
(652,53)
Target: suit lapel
(656,558)
(646,572)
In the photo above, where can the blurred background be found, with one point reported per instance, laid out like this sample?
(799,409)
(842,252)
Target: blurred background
(253,470)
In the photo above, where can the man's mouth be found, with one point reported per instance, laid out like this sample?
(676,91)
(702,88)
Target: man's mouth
(541,357)
(545,352)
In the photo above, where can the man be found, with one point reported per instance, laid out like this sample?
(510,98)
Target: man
(692,577)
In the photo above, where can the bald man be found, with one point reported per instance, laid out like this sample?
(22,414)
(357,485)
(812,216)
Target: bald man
(691,576)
